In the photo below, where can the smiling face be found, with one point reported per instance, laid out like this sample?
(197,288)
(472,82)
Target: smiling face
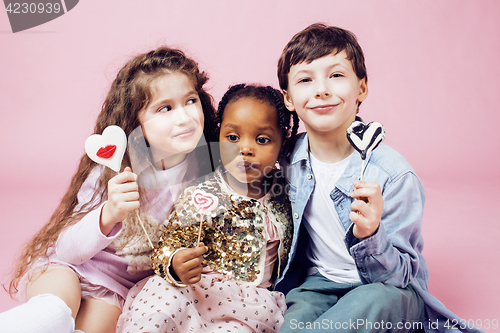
(250,142)
(325,93)
(173,120)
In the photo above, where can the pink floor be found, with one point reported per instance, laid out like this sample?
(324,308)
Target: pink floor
(460,228)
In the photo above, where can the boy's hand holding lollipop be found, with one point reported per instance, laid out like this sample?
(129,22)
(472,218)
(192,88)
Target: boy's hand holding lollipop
(367,209)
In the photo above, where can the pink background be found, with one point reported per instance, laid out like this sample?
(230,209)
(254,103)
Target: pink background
(434,82)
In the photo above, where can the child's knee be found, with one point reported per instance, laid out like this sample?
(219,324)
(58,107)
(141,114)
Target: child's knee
(299,297)
(60,281)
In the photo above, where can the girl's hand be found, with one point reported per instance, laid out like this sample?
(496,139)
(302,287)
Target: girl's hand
(367,209)
(123,197)
(187,263)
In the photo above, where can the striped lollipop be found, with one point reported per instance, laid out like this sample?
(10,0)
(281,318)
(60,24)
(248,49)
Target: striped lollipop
(365,138)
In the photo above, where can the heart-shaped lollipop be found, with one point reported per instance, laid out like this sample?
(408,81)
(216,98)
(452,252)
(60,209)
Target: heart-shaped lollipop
(204,203)
(365,138)
(107,149)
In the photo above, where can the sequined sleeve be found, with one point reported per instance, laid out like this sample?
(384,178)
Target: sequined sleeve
(178,233)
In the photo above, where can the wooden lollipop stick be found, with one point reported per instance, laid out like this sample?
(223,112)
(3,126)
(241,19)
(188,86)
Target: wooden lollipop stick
(199,232)
(204,203)
(144,229)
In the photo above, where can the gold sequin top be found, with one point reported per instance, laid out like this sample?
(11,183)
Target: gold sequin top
(233,231)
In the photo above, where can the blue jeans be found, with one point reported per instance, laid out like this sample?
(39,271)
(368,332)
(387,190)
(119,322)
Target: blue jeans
(323,305)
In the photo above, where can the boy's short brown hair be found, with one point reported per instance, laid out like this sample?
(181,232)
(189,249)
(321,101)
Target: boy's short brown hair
(317,41)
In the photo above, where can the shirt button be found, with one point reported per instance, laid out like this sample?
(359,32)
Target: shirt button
(296,215)
(309,176)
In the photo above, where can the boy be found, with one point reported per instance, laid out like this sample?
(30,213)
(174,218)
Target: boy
(355,262)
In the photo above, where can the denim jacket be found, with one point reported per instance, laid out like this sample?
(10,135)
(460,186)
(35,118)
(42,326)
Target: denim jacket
(394,253)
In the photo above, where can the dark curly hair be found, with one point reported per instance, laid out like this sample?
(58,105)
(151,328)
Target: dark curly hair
(265,94)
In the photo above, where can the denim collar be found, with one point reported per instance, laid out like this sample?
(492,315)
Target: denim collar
(302,149)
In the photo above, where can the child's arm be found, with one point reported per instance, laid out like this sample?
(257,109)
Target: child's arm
(123,197)
(84,239)
(391,253)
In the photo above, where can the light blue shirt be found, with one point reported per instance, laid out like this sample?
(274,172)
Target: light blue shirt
(394,253)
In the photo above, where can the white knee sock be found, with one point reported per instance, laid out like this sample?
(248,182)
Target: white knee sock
(41,314)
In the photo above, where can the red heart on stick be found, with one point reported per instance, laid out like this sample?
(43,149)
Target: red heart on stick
(107,149)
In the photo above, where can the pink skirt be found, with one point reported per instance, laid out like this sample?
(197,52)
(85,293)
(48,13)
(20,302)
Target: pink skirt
(154,305)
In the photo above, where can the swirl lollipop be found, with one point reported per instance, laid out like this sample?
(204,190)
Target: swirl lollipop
(204,203)
(365,138)
(108,150)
